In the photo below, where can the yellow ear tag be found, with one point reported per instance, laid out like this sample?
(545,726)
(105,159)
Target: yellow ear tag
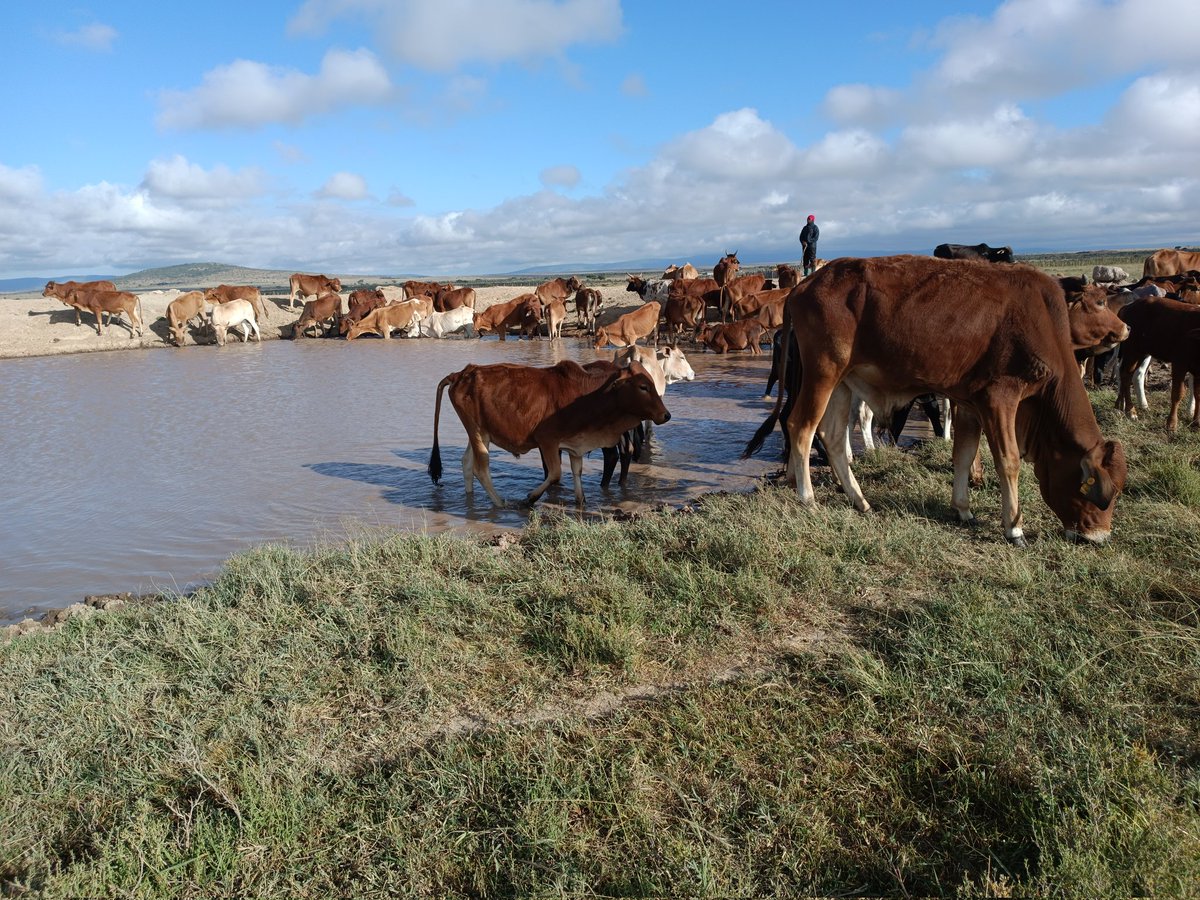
(1086,486)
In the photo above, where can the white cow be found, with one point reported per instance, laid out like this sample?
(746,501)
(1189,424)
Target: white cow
(440,324)
(234,314)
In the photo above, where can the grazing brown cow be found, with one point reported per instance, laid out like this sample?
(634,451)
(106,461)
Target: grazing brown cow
(994,339)
(223,293)
(631,327)
(325,309)
(787,275)
(383,320)
(61,289)
(181,311)
(111,302)
(557,289)
(358,305)
(301,286)
(1167,330)
(448,298)
(686,272)
(741,335)
(683,311)
(562,407)
(587,308)
(1171,262)
(523,312)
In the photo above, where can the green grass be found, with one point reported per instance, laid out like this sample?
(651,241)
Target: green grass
(742,699)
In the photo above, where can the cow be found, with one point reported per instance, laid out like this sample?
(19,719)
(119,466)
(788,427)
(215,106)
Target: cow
(650,290)
(736,289)
(705,289)
(682,311)
(587,308)
(742,335)
(223,293)
(974,251)
(101,302)
(450,297)
(685,272)
(996,341)
(383,320)
(1168,330)
(562,407)
(1109,275)
(237,314)
(555,312)
(786,275)
(301,286)
(360,304)
(724,272)
(556,289)
(440,324)
(325,309)
(181,311)
(61,289)
(523,311)
(630,328)
(1094,328)
(1171,262)
(424,288)
(752,304)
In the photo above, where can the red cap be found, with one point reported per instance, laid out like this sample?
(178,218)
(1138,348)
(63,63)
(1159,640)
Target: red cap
(812,218)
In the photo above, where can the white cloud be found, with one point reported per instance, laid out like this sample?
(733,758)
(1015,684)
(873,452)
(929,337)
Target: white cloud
(95,36)
(1003,137)
(345,186)
(861,104)
(560,176)
(20,184)
(396,197)
(178,179)
(737,145)
(246,94)
(442,35)
(1161,109)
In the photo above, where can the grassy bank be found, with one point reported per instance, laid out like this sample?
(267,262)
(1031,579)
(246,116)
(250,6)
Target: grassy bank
(741,699)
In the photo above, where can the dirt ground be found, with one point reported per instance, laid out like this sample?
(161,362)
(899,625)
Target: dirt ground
(33,325)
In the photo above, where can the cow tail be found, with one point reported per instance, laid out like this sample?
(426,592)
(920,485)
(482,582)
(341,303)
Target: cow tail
(435,455)
(755,443)
(141,315)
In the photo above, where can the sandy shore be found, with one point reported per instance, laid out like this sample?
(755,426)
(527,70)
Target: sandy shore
(33,325)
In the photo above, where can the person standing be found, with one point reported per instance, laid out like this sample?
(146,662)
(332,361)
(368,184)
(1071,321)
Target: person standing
(809,235)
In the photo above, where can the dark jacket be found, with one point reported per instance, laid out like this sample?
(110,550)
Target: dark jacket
(809,234)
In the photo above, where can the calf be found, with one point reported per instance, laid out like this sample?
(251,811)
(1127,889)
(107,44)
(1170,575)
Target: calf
(555,312)
(325,309)
(587,308)
(182,310)
(359,304)
(440,324)
(237,314)
(450,297)
(563,407)
(523,312)
(742,335)
(383,320)
(630,328)
(738,289)
(62,289)
(974,252)
(99,302)
(223,293)
(301,285)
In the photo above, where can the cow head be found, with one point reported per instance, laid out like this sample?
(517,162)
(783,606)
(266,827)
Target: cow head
(601,339)
(1082,490)
(636,285)
(335,285)
(675,364)
(1093,325)
(637,393)
(573,284)
(1000,254)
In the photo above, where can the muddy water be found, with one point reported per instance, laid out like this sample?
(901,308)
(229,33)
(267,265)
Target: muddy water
(144,471)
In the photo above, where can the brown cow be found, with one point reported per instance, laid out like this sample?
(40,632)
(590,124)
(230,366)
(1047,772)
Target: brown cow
(99,302)
(223,293)
(562,407)
(555,312)
(1094,327)
(587,308)
(61,289)
(523,311)
(737,288)
(683,311)
(557,289)
(1168,330)
(1171,262)
(994,339)
(359,304)
(383,320)
(301,285)
(741,335)
(325,309)
(631,327)
(787,275)
(424,288)
(705,289)
(750,304)
(723,273)
(686,272)
(449,297)
(181,311)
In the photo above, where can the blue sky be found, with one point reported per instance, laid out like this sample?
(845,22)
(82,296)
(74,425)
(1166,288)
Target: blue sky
(458,137)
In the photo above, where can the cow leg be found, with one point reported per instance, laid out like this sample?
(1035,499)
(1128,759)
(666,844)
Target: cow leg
(835,433)
(468,470)
(480,460)
(965,452)
(1195,397)
(99,321)
(815,389)
(1000,425)
(944,408)
(1140,380)
(866,423)
(257,333)
(577,474)
(1177,388)
(611,457)
(552,460)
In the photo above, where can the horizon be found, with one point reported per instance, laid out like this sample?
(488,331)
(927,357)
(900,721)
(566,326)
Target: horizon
(493,137)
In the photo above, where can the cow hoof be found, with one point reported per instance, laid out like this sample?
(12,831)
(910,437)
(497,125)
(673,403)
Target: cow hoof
(1018,541)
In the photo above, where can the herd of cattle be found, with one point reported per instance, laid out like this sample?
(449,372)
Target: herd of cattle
(1005,346)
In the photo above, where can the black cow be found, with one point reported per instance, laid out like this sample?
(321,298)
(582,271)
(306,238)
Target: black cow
(973,251)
